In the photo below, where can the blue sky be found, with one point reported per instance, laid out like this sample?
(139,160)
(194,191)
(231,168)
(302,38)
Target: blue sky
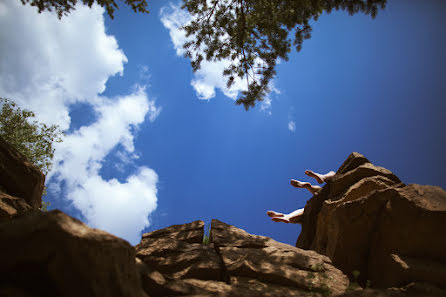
(143,151)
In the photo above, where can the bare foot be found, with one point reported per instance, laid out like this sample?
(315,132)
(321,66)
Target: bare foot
(294,218)
(299,184)
(281,219)
(274,214)
(320,178)
(313,189)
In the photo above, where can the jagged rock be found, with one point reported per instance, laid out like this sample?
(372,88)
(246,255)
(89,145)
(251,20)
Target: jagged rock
(11,207)
(191,232)
(410,238)
(365,219)
(234,263)
(18,177)
(53,254)
(353,160)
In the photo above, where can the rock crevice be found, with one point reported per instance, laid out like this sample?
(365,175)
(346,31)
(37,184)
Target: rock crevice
(237,264)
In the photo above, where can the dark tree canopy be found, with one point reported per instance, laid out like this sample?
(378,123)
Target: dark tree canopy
(253,34)
(64,7)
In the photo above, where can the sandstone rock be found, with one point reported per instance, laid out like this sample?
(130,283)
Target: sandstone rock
(327,240)
(272,262)
(365,219)
(354,169)
(11,207)
(235,263)
(342,182)
(353,160)
(191,232)
(412,289)
(410,238)
(20,178)
(52,254)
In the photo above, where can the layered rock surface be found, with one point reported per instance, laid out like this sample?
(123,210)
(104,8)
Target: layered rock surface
(52,254)
(18,177)
(234,263)
(366,219)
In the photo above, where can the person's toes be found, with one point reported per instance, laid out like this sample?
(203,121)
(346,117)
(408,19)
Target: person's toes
(281,219)
(315,176)
(299,184)
(274,214)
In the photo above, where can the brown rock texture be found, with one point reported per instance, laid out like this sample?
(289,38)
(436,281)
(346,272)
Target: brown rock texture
(53,254)
(366,219)
(10,207)
(18,177)
(174,261)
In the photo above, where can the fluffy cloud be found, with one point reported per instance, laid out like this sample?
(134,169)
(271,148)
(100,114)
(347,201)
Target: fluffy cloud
(121,208)
(48,64)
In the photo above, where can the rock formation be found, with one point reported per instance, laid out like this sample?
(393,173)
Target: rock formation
(52,254)
(365,219)
(45,254)
(18,177)
(175,262)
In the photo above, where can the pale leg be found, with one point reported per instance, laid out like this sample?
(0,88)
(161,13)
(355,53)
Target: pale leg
(321,178)
(313,189)
(294,218)
(274,214)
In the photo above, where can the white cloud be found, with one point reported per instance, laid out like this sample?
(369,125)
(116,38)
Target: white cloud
(121,208)
(292,126)
(47,64)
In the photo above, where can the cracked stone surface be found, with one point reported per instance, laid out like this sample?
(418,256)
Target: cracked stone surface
(234,263)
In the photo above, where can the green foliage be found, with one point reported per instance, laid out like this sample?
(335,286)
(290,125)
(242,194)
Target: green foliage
(34,140)
(45,206)
(64,7)
(207,234)
(254,34)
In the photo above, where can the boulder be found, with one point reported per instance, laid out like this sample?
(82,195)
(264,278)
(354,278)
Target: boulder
(53,254)
(174,261)
(410,238)
(18,177)
(365,219)
(11,207)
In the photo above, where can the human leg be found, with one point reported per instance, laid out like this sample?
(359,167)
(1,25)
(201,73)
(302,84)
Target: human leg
(294,217)
(320,178)
(274,214)
(298,184)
